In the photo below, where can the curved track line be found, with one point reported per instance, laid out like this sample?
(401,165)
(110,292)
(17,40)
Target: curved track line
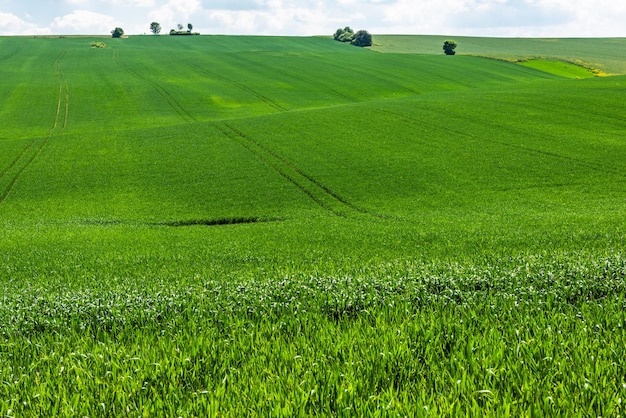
(21,170)
(594,166)
(243,87)
(234,136)
(171,101)
(321,194)
(17,159)
(63,101)
(310,178)
(12,52)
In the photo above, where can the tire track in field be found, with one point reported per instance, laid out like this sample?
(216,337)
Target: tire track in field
(322,195)
(243,87)
(611,170)
(12,52)
(35,147)
(171,101)
(309,81)
(17,159)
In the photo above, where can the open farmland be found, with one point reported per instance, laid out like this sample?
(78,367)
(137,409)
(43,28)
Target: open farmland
(274,226)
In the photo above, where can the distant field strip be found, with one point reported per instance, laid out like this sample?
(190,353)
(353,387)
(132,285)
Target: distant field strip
(314,189)
(171,101)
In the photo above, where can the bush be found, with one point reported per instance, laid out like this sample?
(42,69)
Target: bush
(362,38)
(182,33)
(344,35)
(98,45)
(449,47)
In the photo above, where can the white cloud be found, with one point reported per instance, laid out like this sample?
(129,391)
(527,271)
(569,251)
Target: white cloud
(314,17)
(84,22)
(13,25)
(176,11)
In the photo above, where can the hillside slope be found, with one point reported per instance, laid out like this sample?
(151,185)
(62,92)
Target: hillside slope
(603,54)
(266,226)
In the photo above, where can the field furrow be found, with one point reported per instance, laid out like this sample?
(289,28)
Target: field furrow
(37,146)
(169,99)
(317,194)
(12,174)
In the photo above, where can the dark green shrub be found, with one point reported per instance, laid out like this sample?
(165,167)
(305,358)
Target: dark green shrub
(344,35)
(449,47)
(117,32)
(362,38)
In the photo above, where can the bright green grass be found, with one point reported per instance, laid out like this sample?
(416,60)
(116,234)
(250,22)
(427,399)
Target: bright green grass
(563,69)
(267,226)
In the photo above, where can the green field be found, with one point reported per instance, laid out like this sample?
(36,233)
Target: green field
(278,226)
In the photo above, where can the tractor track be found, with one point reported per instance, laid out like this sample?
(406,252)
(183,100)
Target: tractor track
(167,96)
(502,128)
(321,194)
(271,103)
(36,147)
(12,52)
(277,166)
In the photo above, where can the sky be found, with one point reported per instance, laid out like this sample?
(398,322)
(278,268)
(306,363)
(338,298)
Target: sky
(505,18)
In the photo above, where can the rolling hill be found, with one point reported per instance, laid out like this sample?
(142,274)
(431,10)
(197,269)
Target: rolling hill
(186,201)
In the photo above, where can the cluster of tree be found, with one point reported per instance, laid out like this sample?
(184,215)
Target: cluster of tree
(360,38)
(180,30)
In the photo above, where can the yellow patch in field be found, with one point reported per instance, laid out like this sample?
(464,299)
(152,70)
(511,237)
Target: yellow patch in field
(224,102)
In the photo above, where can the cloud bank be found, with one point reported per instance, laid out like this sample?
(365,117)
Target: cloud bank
(538,18)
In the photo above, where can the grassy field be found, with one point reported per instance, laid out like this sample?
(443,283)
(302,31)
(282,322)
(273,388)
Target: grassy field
(603,55)
(275,226)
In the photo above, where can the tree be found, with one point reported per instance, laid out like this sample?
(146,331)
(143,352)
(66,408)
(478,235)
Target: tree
(117,32)
(190,27)
(449,47)
(362,38)
(180,27)
(344,35)
(155,28)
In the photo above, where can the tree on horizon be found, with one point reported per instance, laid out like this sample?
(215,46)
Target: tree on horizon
(449,47)
(117,32)
(155,28)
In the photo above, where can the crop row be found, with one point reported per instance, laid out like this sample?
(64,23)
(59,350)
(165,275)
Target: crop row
(31,307)
(529,336)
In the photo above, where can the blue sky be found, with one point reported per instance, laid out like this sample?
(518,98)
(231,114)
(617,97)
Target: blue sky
(517,18)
